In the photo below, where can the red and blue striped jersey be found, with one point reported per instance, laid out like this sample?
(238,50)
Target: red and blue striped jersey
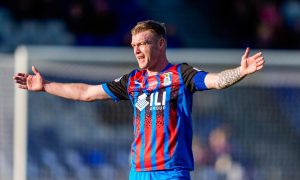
(162,106)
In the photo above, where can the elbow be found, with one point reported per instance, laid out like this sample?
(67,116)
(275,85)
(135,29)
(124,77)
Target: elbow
(221,86)
(222,83)
(217,85)
(92,94)
(84,98)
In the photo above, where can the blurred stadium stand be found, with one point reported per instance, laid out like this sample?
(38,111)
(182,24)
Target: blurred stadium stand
(199,24)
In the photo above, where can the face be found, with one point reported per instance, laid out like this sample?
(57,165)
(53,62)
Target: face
(147,49)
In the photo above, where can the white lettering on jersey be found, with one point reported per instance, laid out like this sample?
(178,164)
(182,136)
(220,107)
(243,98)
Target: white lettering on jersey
(141,102)
(155,103)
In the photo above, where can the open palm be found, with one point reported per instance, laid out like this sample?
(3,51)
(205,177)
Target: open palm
(30,82)
(251,64)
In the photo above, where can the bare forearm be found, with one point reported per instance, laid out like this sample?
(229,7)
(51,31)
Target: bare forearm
(75,91)
(66,90)
(228,77)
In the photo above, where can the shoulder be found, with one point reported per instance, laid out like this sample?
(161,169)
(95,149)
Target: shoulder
(136,73)
(185,67)
(128,75)
(179,67)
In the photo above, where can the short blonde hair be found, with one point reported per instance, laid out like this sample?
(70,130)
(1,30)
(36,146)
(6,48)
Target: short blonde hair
(154,26)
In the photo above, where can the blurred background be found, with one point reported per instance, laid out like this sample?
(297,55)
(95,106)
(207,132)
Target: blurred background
(191,23)
(250,131)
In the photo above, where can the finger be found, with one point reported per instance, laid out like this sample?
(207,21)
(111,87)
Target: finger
(259,59)
(20,74)
(22,87)
(259,67)
(21,82)
(257,55)
(247,51)
(19,78)
(259,63)
(255,59)
(35,70)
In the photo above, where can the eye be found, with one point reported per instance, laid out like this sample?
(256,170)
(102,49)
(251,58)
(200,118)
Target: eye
(141,44)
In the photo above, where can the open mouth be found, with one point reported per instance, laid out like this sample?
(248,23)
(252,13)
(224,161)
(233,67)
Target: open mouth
(140,57)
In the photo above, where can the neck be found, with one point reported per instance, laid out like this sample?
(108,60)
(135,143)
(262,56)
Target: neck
(158,68)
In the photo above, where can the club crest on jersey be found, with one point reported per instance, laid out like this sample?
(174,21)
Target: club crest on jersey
(167,79)
(141,102)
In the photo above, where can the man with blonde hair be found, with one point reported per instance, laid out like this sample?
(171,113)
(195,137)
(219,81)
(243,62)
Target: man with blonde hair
(161,96)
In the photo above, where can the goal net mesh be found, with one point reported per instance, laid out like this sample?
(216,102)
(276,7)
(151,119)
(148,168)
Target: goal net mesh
(6,117)
(248,131)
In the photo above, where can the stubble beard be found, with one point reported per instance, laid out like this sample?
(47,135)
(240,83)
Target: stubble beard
(143,64)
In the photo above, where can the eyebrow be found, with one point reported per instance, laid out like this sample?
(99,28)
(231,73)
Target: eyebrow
(142,42)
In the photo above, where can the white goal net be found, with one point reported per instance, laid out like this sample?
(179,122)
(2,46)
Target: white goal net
(6,116)
(249,131)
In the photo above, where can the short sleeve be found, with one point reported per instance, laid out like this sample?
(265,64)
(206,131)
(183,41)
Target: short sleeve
(193,78)
(117,89)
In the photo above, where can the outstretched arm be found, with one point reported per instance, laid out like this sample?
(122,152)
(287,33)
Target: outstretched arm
(75,91)
(229,77)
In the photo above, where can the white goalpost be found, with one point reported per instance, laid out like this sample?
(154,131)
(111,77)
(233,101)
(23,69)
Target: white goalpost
(20,123)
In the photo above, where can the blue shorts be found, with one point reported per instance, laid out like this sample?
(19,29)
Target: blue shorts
(173,174)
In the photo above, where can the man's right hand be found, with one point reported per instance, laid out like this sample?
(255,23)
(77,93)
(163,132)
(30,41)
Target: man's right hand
(30,82)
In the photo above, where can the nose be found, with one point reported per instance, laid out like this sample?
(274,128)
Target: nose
(136,50)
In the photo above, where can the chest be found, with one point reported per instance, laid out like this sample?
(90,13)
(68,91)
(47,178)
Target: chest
(155,92)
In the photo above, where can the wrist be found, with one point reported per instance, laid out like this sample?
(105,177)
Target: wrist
(242,72)
(44,86)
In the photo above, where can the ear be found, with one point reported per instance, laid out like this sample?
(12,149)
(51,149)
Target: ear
(162,43)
